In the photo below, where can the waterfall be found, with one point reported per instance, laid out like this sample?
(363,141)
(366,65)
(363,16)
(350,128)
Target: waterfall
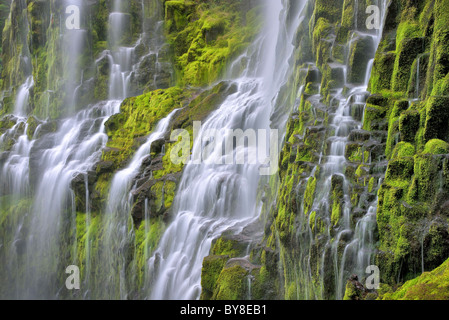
(417,79)
(73,43)
(121,58)
(117,221)
(52,161)
(23,93)
(347,249)
(23,96)
(214,198)
(358,254)
(75,148)
(45,161)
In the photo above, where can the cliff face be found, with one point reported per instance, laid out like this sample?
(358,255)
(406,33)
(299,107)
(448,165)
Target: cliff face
(412,216)
(395,181)
(180,49)
(363,166)
(67,66)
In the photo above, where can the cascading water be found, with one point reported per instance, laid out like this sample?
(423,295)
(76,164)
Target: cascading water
(76,148)
(359,243)
(47,234)
(120,57)
(74,41)
(22,97)
(214,197)
(23,92)
(118,223)
(359,252)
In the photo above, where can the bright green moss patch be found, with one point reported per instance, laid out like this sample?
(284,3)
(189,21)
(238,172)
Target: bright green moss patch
(371,184)
(231,284)
(437,119)
(139,116)
(432,285)
(374,117)
(409,125)
(403,150)
(436,146)
(309,195)
(407,29)
(206,36)
(164,192)
(330,10)
(212,267)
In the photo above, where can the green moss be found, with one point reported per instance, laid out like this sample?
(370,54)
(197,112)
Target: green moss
(212,268)
(432,285)
(330,10)
(407,51)
(399,172)
(312,220)
(409,125)
(403,150)
(336,213)
(374,117)
(231,284)
(394,126)
(138,117)
(229,247)
(336,198)
(438,67)
(437,119)
(164,193)
(358,59)
(426,170)
(196,110)
(321,31)
(206,36)
(436,146)
(408,29)
(352,292)
(309,194)
(263,284)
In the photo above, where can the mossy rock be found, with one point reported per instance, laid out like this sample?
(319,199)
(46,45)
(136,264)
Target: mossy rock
(408,50)
(231,284)
(206,36)
(436,146)
(409,125)
(360,54)
(212,267)
(432,285)
(354,289)
(229,245)
(403,150)
(375,118)
(138,118)
(382,72)
(437,119)
(400,171)
(328,9)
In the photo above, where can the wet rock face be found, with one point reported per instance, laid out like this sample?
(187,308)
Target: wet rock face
(409,198)
(357,291)
(378,160)
(394,147)
(361,52)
